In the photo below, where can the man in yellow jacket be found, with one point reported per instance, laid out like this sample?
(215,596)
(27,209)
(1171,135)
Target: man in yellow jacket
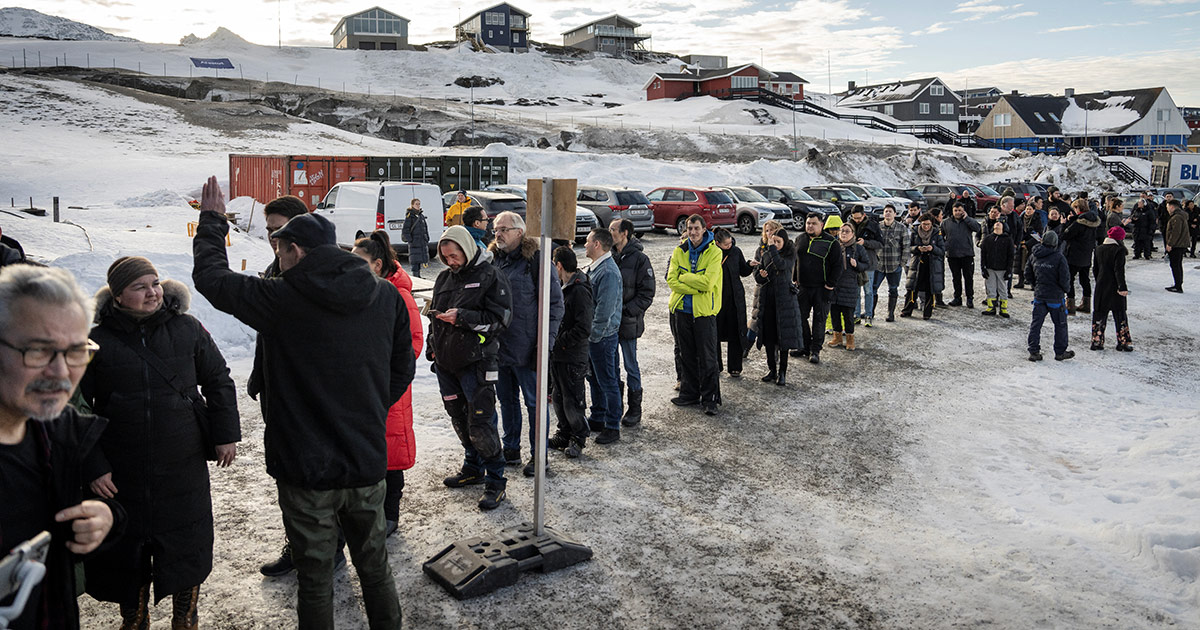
(695,280)
(455,213)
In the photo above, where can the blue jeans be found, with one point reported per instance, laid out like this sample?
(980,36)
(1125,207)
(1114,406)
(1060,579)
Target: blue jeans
(470,399)
(1058,315)
(516,382)
(633,373)
(893,280)
(866,300)
(606,398)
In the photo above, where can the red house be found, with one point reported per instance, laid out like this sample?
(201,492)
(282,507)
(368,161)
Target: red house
(719,82)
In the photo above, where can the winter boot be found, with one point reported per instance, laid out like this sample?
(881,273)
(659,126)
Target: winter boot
(850,341)
(991,307)
(1070,306)
(1085,306)
(1124,340)
(910,303)
(1035,356)
(1004,309)
(1064,356)
(184,615)
(891,316)
(1097,336)
(782,369)
(633,415)
(465,477)
(135,614)
(837,340)
(559,441)
(575,448)
(493,496)
(874,303)
(282,566)
(970,302)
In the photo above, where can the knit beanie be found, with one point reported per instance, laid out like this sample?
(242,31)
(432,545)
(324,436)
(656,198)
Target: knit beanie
(1116,233)
(125,270)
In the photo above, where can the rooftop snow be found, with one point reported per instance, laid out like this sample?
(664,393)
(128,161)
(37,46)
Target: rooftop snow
(1112,116)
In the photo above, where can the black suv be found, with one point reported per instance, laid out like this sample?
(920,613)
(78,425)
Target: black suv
(1028,190)
(909,193)
(801,203)
(845,200)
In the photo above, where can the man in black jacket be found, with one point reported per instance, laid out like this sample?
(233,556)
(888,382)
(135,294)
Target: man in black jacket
(44,351)
(957,232)
(818,265)
(1079,243)
(337,353)
(471,309)
(637,294)
(569,358)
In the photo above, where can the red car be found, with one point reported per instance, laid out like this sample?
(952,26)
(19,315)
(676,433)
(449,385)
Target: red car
(673,205)
(985,197)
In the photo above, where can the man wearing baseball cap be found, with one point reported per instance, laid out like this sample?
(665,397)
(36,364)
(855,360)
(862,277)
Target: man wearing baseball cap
(337,353)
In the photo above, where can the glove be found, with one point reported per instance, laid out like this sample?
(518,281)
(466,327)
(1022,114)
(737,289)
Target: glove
(1008,275)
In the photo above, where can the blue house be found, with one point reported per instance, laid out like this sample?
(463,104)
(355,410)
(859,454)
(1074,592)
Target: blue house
(503,27)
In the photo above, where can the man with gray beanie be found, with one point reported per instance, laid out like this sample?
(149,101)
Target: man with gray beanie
(1052,277)
(337,353)
(471,309)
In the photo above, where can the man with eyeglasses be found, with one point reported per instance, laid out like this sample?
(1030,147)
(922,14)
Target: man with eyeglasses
(44,352)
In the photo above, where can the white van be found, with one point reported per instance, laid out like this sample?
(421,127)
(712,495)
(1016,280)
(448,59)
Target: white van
(358,208)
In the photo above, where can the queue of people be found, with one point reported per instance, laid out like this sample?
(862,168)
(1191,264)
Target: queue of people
(128,488)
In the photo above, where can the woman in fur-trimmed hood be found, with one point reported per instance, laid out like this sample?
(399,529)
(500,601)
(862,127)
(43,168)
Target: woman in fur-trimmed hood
(152,455)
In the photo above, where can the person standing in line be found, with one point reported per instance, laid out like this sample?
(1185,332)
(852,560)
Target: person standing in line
(769,227)
(1144,220)
(416,234)
(777,311)
(569,357)
(1193,213)
(995,261)
(152,454)
(326,311)
(818,267)
(849,283)
(866,234)
(913,216)
(1079,242)
(401,441)
(1164,216)
(1111,291)
(519,258)
(1052,276)
(475,219)
(603,347)
(695,277)
(1058,202)
(926,273)
(892,257)
(455,211)
(637,294)
(1176,238)
(1033,224)
(731,320)
(957,232)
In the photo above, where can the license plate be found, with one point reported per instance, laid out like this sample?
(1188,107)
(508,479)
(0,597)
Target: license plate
(583,229)
(395,225)
(638,212)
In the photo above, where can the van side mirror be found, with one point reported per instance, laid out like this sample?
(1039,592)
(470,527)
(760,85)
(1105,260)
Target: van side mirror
(321,205)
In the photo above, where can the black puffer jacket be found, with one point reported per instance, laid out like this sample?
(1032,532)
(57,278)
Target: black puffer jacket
(818,261)
(637,288)
(480,293)
(777,307)
(996,252)
(1079,238)
(153,444)
(847,289)
(959,237)
(337,353)
(1145,222)
(872,239)
(571,345)
(731,319)
(518,343)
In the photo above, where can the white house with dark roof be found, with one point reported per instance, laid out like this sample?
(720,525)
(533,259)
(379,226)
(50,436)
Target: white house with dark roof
(917,100)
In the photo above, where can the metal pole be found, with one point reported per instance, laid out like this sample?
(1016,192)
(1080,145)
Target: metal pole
(56,209)
(543,366)
(794,145)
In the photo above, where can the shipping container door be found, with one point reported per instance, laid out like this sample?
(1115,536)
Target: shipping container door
(263,177)
(348,169)
(310,178)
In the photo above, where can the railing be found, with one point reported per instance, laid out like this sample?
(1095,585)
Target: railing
(1123,172)
(613,31)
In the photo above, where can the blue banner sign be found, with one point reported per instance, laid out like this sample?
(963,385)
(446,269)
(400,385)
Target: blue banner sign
(222,64)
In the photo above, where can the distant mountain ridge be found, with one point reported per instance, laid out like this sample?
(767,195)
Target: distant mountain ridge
(19,22)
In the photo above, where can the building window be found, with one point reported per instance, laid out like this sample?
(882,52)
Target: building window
(516,38)
(493,18)
(890,110)
(937,90)
(946,108)
(1164,115)
(1053,116)
(489,33)
(924,108)
(1002,120)
(743,82)
(518,21)
(1039,116)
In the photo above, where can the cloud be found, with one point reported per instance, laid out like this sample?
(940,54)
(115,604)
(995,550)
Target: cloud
(933,29)
(1159,3)
(1064,29)
(1180,15)
(978,9)
(1013,16)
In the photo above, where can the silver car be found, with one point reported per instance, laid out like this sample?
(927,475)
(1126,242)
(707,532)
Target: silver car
(612,202)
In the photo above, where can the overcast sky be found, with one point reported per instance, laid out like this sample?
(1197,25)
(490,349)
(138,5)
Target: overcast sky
(1032,46)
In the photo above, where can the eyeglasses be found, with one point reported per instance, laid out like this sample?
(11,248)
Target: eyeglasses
(75,356)
(506,229)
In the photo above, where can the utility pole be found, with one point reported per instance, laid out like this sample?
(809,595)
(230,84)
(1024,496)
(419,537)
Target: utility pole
(472,114)
(279,20)
(829,72)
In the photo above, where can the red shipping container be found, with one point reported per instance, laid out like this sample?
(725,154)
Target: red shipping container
(309,177)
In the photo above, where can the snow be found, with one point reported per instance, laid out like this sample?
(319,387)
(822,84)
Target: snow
(933,479)
(891,92)
(1111,117)
(18,22)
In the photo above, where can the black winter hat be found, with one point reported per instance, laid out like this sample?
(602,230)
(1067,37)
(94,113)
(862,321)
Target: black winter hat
(308,231)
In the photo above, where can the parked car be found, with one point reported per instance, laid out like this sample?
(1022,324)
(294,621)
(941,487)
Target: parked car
(985,197)
(673,205)
(512,198)
(753,209)
(1193,189)
(512,189)
(844,199)
(941,195)
(358,208)
(1181,194)
(801,203)
(912,194)
(874,193)
(1026,189)
(611,202)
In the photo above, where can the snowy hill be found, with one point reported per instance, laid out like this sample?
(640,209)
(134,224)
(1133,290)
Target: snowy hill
(18,22)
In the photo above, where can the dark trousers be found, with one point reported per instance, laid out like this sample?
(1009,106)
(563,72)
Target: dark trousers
(814,307)
(566,391)
(395,491)
(1085,281)
(733,353)
(415,270)
(843,318)
(311,519)
(1120,322)
(1142,247)
(470,399)
(698,352)
(604,382)
(1176,257)
(1058,315)
(776,352)
(962,271)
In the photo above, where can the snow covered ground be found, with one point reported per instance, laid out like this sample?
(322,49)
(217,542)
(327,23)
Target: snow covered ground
(934,479)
